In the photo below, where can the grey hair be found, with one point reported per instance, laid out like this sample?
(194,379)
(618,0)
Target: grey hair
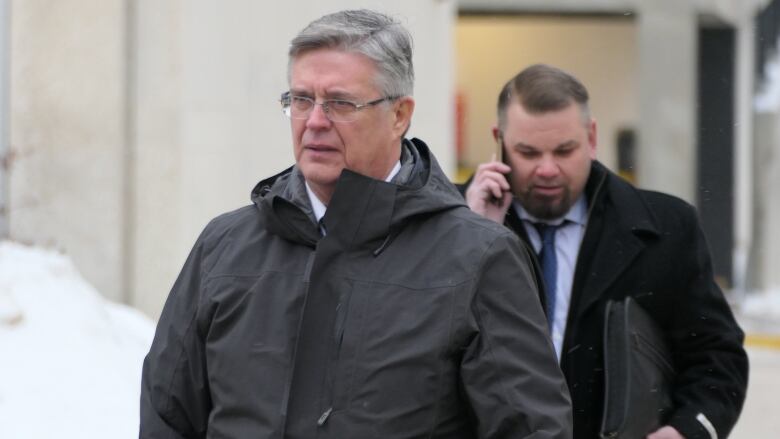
(377,36)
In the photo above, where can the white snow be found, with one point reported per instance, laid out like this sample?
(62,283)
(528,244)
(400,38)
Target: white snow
(759,312)
(767,100)
(70,361)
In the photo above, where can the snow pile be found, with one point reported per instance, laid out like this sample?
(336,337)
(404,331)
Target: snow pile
(70,361)
(759,312)
(767,99)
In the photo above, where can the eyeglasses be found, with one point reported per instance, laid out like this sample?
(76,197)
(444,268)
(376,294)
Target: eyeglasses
(336,110)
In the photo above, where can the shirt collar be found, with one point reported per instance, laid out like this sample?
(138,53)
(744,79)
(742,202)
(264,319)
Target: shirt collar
(577,213)
(319,207)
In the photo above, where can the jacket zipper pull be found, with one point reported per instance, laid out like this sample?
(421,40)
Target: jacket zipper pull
(324,418)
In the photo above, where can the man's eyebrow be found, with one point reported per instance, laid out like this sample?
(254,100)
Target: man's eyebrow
(568,143)
(336,95)
(299,92)
(340,95)
(521,145)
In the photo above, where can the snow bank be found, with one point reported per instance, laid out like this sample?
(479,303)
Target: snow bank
(759,312)
(767,99)
(70,361)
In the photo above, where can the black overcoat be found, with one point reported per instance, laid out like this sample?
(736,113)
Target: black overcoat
(649,246)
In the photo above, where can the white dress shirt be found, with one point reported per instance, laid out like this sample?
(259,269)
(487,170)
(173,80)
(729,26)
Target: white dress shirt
(568,238)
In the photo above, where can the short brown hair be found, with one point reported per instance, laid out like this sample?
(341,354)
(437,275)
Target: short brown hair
(541,88)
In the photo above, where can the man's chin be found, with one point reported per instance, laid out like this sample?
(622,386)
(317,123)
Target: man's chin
(320,174)
(545,209)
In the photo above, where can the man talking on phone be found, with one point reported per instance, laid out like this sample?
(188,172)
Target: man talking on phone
(598,239)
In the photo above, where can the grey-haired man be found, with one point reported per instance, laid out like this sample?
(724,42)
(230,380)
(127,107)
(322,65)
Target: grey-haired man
(358,297)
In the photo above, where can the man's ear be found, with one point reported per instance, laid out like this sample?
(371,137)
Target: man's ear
(592,138)
(403,110)
(496,133)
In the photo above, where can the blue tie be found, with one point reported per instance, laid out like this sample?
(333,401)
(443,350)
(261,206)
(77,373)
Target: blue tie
(549,266)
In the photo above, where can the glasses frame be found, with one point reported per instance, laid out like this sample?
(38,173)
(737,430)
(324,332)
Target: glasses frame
(287,97)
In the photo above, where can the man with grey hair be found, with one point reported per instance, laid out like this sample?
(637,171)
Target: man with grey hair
(358,297)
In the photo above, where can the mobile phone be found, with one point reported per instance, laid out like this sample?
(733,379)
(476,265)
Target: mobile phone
(499,156)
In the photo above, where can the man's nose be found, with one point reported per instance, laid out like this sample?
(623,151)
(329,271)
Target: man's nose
(547,168)
(318,119)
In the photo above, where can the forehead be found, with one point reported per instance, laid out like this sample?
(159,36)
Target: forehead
(332,71)
(564,123)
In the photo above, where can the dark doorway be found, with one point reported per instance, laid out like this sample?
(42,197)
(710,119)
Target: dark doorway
(715,195)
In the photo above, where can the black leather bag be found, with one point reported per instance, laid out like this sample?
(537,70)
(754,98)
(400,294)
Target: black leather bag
(638,371)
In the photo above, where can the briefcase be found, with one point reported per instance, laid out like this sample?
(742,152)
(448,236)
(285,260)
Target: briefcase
(638,372)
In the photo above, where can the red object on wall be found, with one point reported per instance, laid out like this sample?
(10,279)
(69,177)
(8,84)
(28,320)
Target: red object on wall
(460,125)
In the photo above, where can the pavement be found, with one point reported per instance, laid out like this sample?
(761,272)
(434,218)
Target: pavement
(760,417)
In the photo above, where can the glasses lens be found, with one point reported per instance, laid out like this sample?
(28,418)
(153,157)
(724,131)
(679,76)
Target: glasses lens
(300,107)
(341,111)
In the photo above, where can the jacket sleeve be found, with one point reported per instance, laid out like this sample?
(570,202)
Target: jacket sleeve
(175,400)
(509,370)
(707,344)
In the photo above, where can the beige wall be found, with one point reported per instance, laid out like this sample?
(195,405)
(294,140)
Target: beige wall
(67,126)
(764,273)
(667,43)
(209,126)
(135,122)
(601,52)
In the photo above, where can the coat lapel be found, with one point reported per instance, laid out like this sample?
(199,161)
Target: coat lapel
(618,227)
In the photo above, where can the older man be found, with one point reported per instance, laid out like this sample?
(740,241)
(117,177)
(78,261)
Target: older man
(358,297)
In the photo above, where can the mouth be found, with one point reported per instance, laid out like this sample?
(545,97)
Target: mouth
(548,191)
(320,148)
(319,152)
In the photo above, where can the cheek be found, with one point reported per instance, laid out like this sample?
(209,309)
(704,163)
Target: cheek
(359,141)
(519,177)
(296,139)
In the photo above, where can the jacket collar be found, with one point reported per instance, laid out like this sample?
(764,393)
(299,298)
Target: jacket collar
(363,212)
(604,187)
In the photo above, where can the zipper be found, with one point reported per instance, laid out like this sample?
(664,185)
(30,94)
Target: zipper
(324,417)
(288,384)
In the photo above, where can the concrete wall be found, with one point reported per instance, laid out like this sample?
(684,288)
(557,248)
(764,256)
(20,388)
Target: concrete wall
(135,122)
(666,45)
(209,125)
(764,273)
(68,138)
(667,74)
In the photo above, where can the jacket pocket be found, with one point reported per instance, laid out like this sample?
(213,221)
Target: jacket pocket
(395,360)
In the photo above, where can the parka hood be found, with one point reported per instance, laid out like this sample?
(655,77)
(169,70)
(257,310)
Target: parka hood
(363,211)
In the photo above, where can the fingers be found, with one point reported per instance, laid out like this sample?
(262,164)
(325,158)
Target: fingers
(501,168)
(665,432)
(493,188)
(491,181)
